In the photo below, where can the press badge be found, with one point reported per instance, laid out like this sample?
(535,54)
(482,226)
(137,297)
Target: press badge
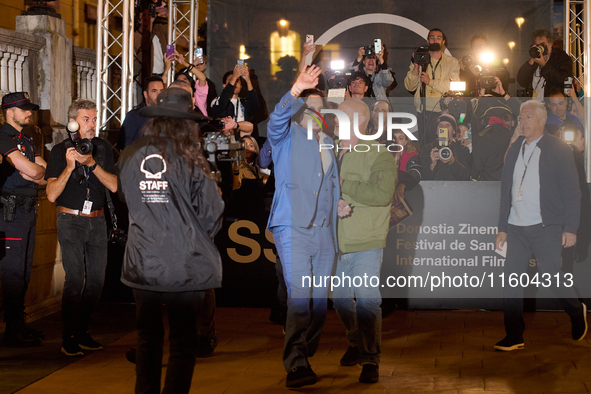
(87,207)
(519,196)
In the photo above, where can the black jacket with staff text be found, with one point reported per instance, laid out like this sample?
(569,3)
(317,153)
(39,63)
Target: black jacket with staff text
(173,217)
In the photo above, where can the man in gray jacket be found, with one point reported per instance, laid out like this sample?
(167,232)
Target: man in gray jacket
(539,214)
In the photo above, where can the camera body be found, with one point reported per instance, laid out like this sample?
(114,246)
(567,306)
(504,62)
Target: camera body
(538,51)
(486,79)
(467,60)
(82,145)
(370,50)
(457,106)
(219,147)
(422,56)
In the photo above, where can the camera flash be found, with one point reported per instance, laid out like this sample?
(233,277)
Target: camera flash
(569,136)
(457,86)
(73,125)
(337,65)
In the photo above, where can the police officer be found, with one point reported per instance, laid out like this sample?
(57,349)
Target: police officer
(22,167)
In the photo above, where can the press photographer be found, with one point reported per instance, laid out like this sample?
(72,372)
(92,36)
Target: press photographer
(370,60)
(547,67)
(446,159)
(80,173)
(428,78)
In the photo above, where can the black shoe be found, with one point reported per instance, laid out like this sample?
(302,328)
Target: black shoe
(71,348)
(130,355)
(86,342)
(15,336)
(370,373)
(206,346)
(30,330)
(508,344)
(300,376)
(579,324)
(351,357)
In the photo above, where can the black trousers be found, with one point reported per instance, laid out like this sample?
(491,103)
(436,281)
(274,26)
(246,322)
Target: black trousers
(183,309)
(16,260)
(545,242)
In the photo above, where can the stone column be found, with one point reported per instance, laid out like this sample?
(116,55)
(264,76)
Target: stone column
(54,66)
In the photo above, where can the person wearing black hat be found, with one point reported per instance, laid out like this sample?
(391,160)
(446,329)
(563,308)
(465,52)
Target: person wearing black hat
(22,167)
(175,210)
(455,163)
(78,182)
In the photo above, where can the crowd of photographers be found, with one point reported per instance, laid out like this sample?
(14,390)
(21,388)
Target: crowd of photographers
(462,134)
(466,117)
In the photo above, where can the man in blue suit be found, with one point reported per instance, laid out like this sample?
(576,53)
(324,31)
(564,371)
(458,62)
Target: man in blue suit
(304,215)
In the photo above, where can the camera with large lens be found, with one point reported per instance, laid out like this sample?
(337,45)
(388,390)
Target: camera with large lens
(487,79)
(369,50)
(467,60)
(422,56)
(538,50)
(82,145)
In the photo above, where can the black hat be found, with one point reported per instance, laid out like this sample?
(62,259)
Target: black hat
(485,107)
(19,100)
(173,103)
(450,119)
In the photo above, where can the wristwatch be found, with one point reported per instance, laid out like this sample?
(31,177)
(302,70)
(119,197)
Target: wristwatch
(91,168)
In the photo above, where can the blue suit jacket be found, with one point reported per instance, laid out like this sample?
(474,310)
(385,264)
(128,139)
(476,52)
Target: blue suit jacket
(298,169)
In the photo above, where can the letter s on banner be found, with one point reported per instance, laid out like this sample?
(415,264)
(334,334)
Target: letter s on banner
(241,240)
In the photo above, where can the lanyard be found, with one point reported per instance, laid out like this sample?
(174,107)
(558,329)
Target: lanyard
(435,68)
(538,74)
(87,177)
(526,164)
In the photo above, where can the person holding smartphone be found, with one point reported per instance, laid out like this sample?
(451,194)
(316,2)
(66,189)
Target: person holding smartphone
(230,102)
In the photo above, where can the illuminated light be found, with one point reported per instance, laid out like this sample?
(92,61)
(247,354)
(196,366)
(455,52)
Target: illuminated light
(505,61)
(457,86)
(569,136)
(283,22)
(337,64)
(487,57)
(520,21)
(511,45)
(243,54)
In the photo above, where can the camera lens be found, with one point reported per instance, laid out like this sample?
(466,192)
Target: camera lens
(445,153)
(536,52)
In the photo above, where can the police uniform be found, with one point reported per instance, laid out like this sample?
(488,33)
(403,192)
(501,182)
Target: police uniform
(17,225)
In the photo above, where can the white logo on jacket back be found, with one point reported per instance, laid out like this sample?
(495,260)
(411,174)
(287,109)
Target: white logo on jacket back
(154,191)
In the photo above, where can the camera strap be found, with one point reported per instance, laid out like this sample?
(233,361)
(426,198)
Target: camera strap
(111,208)
(436,65)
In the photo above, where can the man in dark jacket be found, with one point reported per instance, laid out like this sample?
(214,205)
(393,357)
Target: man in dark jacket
(175,210)
(454,168)
(133,123)
(539,214)
(546,71)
